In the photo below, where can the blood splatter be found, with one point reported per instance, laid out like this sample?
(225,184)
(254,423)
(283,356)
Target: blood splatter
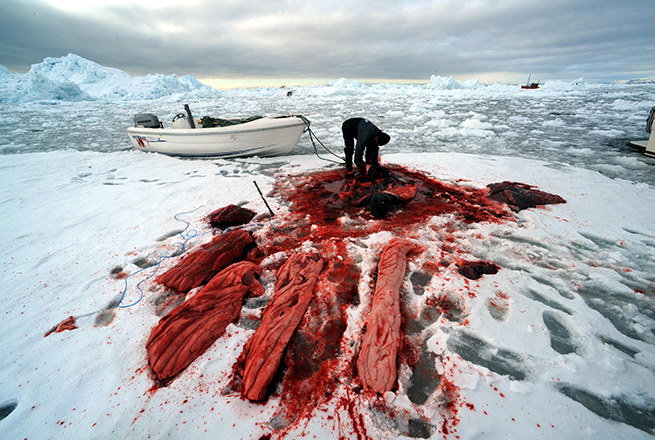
(315,364)
(319,364)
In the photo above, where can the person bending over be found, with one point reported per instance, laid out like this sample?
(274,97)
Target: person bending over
(369,139)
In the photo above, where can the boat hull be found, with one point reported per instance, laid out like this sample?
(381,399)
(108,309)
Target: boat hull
(645,146)
(265,137)
(639,145)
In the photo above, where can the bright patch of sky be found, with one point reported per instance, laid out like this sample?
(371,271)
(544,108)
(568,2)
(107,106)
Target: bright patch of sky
(82,5)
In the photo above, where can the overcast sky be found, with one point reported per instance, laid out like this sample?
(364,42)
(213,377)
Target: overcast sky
(492,40)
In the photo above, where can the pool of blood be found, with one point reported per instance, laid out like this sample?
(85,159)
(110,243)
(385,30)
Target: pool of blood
(317,212)
(314,365)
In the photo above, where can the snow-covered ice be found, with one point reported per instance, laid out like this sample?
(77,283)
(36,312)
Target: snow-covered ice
(559,344)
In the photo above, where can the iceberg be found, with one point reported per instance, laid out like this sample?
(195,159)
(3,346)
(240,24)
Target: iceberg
(73,78)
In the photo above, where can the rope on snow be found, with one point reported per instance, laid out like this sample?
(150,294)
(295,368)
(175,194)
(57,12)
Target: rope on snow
(192,233)
(313,136)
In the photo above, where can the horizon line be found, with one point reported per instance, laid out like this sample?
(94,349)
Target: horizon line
(234,83)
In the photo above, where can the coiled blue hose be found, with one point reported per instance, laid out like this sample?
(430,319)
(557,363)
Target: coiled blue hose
(186,236)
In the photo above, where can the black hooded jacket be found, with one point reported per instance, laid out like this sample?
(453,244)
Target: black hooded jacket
(364,131)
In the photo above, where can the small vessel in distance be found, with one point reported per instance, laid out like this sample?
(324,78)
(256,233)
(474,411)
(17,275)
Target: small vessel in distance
(530,85)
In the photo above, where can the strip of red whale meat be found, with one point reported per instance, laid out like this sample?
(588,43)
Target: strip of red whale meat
(376,364)
(199,267)
(193,326)
(293,293)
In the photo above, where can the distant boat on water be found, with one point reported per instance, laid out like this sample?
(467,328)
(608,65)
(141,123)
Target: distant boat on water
(530,85)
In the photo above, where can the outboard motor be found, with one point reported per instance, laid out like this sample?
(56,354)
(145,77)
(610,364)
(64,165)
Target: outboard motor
(147,120)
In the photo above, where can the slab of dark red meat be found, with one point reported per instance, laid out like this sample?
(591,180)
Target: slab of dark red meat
(230,215)
(521,196)
(293,293)
(376,364)
(475,269)
(200,266)
(193,326)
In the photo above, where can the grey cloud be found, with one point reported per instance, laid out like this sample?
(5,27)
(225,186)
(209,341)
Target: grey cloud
(389,39)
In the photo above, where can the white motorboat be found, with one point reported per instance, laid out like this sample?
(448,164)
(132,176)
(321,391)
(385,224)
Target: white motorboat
(648,145)
(262,136)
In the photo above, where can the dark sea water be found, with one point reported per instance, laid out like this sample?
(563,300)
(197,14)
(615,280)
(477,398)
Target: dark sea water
(586,127)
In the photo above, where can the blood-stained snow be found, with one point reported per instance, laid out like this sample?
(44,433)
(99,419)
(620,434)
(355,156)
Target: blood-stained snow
(558,342)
